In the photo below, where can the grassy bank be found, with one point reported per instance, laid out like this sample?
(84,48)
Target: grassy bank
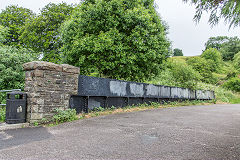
(181,76)
(71,115)
(222,94)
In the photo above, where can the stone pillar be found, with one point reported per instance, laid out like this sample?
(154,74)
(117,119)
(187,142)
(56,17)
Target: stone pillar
(48,87)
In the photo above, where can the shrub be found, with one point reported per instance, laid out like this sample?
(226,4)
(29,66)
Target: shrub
(222,94)
(177,74)
(3,34)
(2,113)
(11,71)
(64,115)
(118,38)
(233,84)
(236,61)
(164,78)
(231,74)
(203,67)
(215,58)
(184,75)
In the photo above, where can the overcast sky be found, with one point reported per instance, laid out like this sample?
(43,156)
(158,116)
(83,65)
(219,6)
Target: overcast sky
(184,33)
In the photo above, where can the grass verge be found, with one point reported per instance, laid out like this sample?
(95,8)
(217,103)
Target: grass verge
(2,113)
(222,95)
(102,112)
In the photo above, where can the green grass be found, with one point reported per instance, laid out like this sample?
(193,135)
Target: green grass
(142,107)
(222,94)
(2,113)
(235,101)
(101,111)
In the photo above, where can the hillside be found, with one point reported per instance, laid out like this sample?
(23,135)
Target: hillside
(178,67)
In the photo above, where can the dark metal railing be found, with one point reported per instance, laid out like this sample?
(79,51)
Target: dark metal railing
(96,92)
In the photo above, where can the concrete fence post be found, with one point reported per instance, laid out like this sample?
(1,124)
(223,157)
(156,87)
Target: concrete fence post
(48,87)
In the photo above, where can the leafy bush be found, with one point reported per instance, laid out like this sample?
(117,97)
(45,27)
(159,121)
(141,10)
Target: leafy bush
(2,113)
(233,84)
(203,67)
(98,109)
(221,93)
(67,115)
(231,74)
(118,38)
(236,61)
(164,78)
(177,74)
(215,58)
(185,76)
(12,75)
(3,34)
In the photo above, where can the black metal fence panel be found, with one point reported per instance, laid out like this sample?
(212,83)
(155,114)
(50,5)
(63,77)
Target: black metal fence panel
(93,86)
(96,92)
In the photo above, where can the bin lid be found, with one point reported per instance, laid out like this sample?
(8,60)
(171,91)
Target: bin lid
(16,93)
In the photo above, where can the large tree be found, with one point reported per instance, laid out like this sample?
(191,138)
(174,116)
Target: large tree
(229,10)
(3,34)
(228,46)
(177,52)
(117,38)
(216,42)
(42,32)
(14,17)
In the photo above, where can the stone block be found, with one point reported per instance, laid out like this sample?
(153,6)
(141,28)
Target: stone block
(70,69)
(41,65)
(36,116)
(38,73)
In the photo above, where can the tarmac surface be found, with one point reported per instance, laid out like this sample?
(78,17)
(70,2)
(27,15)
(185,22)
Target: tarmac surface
(191,132)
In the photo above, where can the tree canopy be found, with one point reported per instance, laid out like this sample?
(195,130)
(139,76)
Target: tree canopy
(177,52)
(3,34)
(228,46)
(41,33)
(11,71)
(229,10)
(14,18)
(216,42)
(117,38)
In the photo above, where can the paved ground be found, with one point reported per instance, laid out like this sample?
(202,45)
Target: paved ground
(195,132)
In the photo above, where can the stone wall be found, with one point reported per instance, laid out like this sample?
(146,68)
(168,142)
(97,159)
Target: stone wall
(48,86)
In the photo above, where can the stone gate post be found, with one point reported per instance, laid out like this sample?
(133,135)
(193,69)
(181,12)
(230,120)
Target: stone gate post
(48,86)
